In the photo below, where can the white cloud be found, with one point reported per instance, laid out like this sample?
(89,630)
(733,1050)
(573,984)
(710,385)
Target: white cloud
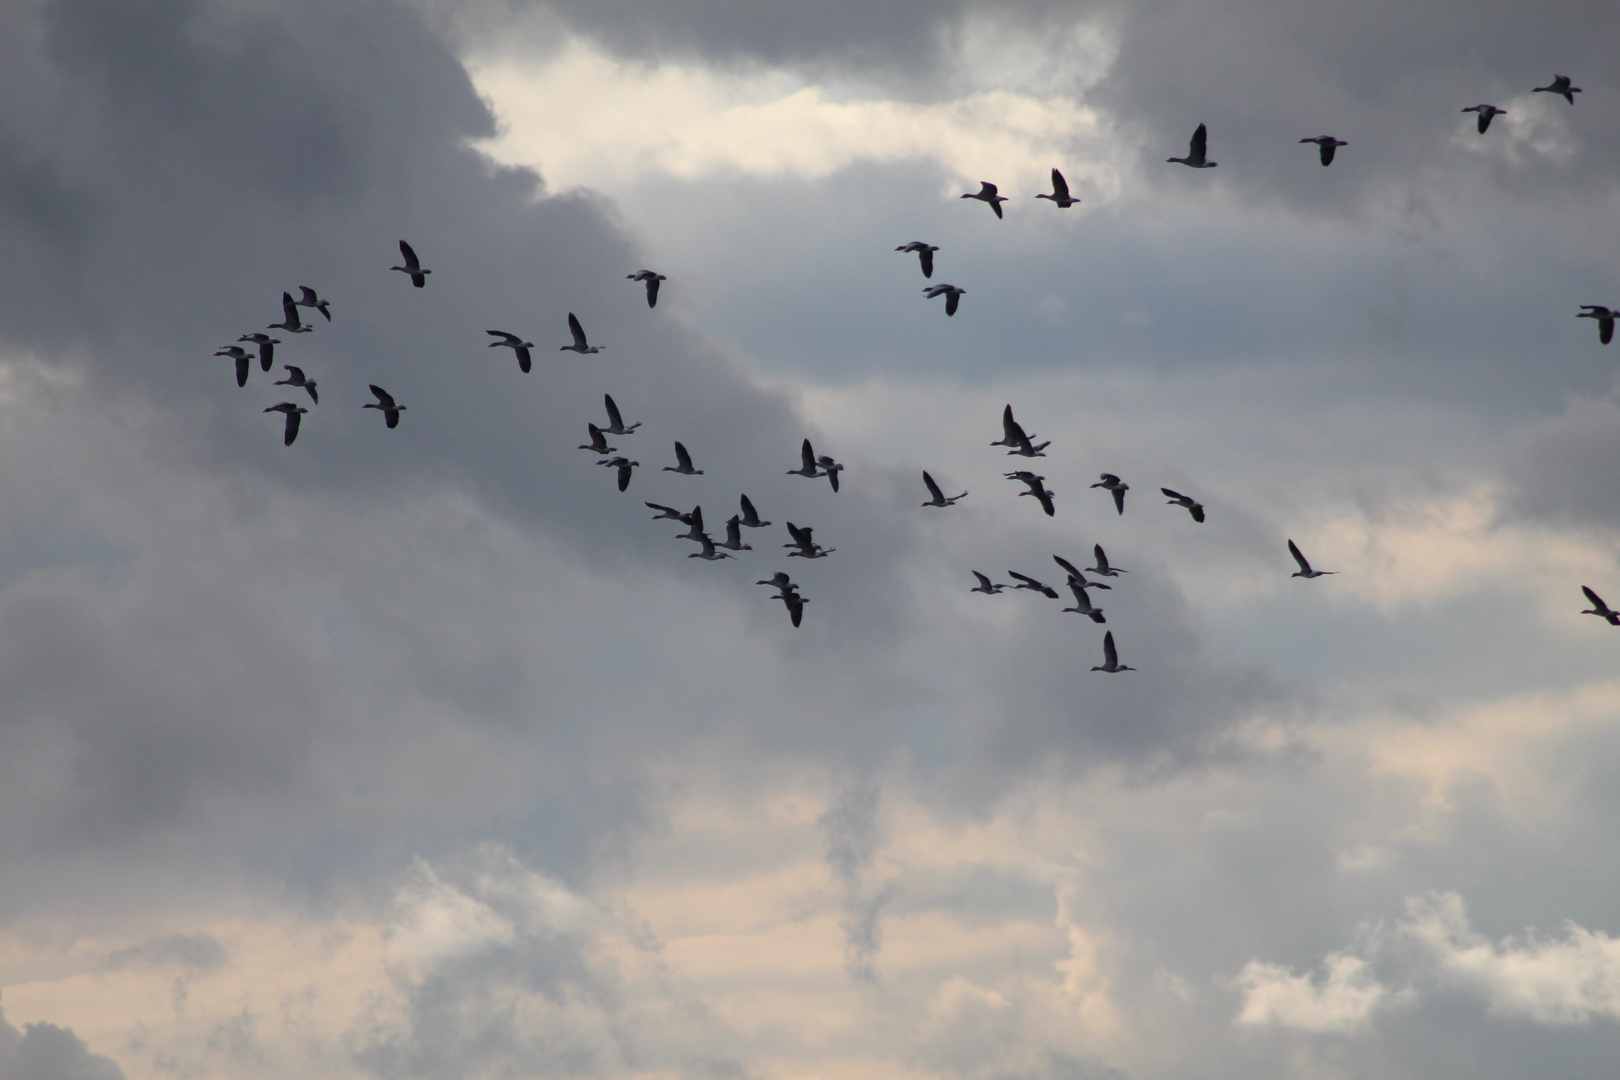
(1339,1002)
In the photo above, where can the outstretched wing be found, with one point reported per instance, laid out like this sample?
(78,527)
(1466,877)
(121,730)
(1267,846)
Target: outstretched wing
(614,419)
(1200,140)
(578,331)
(384,398)
(652,291)
(926,257)
(1597,601)
(1068,566)
(1060,186)
(682,458)
(289,310)
(1110,656)
(984,582)
(1293,549)
(808,457)
(933,488)
(953,298)
(1175,496)
(409,254)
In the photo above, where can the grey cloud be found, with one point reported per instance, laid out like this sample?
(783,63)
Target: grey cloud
(44,1051)
(200,952)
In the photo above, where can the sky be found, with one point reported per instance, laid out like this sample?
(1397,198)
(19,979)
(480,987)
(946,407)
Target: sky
(427,753)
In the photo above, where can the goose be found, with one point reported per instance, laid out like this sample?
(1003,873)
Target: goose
(694,523)
(1599,608)
(580,346)
(708,551)
(779,580)
(1102,569)
(598,444)
(750,518)
(1305,570)
(1013,435)
(294,414)
(267,348)
(1327,144)
(1060,196)
(831,469)
(244,361)
(795,604)
(683,463)
(1029,584)
(624,465)
(1083,604)
(807,467)
(802,539)
(665,512)
(652,279)
(1036,489)
(616,424)
(516,344)
(733,541)
(1112,483)
(385,405)
(1111,662)
(925,255)
(307,298)
(937,496)
(1486,112)
(413,268)
(985,586)
(1560,86)
(951,293)
(289,317)
(1194,507)
(1605,320)
(295,377)
(1195,151)
(1076,575)
(987,194)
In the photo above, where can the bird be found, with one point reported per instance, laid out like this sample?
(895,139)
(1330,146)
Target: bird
(294,413)
(952,295)
(985,586)
(1605,320)
(516,344)
(830,469)
(1083,604)
(289,317)
(598,444)
(808,548)
(733,541)
(579,344)
(1194,507)
(1110,657)
(1012,434)
(1076,575)
(1102,569)
(708,551)
(1195,151)
(987,194)
(652,279)
(267,348)
(307,298)
(1110,482)
(1599,608)
(1060,196)
(1305,570)
(693,520)
(925,255)
(244,361)
(750,518)
(1326,144)
(795,604)
(624,465)
(683,463)
(1560,86)
(1036,489)
(778,580)
(807,468)
(938,496)
(664,511)
(413,266)
(385,405)
(295,377)
(1486,112)
(1031,585)
(615,421)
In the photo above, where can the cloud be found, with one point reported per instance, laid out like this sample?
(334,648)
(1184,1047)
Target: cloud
(46,1052)
(1340,1001)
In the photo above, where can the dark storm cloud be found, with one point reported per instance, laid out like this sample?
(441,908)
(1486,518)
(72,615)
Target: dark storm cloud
(47,1052)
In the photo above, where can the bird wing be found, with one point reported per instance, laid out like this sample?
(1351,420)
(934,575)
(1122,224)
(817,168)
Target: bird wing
(308,299)
(1026,579)
(1293,549)
(244,364)
(808,456)
(1045,498)
(933,488)
(800,536)
(289,310)
(1069,566)
(384,398)
(749,513)
(1197,510)
(1110,657)
(953,297)
(1102,556)
(986,189)
(666,511)
(411,263)
(1175,496)
(577,330)
(984,582)
(1011,432)
(682,458)
(1597,601)
(1200,140)
(1119,500)
(294,417)
(1327,152)
(614,419)
(1060,186)
(652,291)
(926,257)
(506,338)
(296,374)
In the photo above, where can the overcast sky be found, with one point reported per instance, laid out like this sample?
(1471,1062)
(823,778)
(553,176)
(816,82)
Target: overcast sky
(426,753)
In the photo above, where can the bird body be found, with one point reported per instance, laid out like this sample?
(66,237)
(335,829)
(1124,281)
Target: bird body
(1060,196)
(683,463)
(386,405)
(1305,570)
(652,279)
(516,344)
(1326,144)
(987,194)
(1102,569)
(1110,657)
(951,293)
(307,298)
(295,377)
(925,255)
(413,268)
(624,465)
(1111,483)
(938,497)
(1194,507)
(1195,151)
(985,586)
(289,317)
(1560,86)
(1486,112)
(294,414)
(1599,608)
(1605,320)
(580,345)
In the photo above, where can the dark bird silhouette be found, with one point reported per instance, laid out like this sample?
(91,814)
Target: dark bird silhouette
(294,414)
(1110,657)
(1013,435)
(1075,574)
(413,267)
(1195,151)
(693,520)
(1327,144)
(244,361)
(802,539)
(708,551)
(267,348)
(665,512)
(1194,507)
(598,444)
(516,344)
(987,194)
(830,469)
(580,345)
(1305,570)
(1031,585)
(307,298)
(1599,608)
(652,279)
(1111,483)
(733,540)
(1083,604)
(951,293)
(925,255)
(624,465)
(1037,489)
(1486,112)
(1060,196)
(683,463)
(385,404)
(616,424)
(1102,569)
(936,496)
(289,317)
(1560,86)
(750,518)
(295,377)
(985,586)
(807,467)
(1605,320)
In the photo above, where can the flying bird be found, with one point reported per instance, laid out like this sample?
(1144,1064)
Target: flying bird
(985,586)
(652,279)
(1083,604)
(778,580)
(1599,608)
(830,469)
(808,548)
(1036,489)
(807,467)
(1327,144)
(1305,570)
(294,414)
(289,317)
(385,404)
(598,444)
(1605,320)
(1110,657)
(1560,86)
(733,541)
(1031,585)
(244,361)
(580,345)
(1194,507)
(413,266)
(693,520)
(516,344)
(750,518)
(795,604)
(1102,569)
(624,465)
(295,377)
(709,551)
(267,348)
(1075,574)
(937,497)
(615,421)
(1013,435)
(951,293)
(1486,112)
(1060,196)
(1195,151)
(925,255)
(987,194)
(307,298)
(683,463)
(1112,483)
(665,511)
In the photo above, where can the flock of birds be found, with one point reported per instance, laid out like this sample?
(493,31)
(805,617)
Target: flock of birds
(813,466)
